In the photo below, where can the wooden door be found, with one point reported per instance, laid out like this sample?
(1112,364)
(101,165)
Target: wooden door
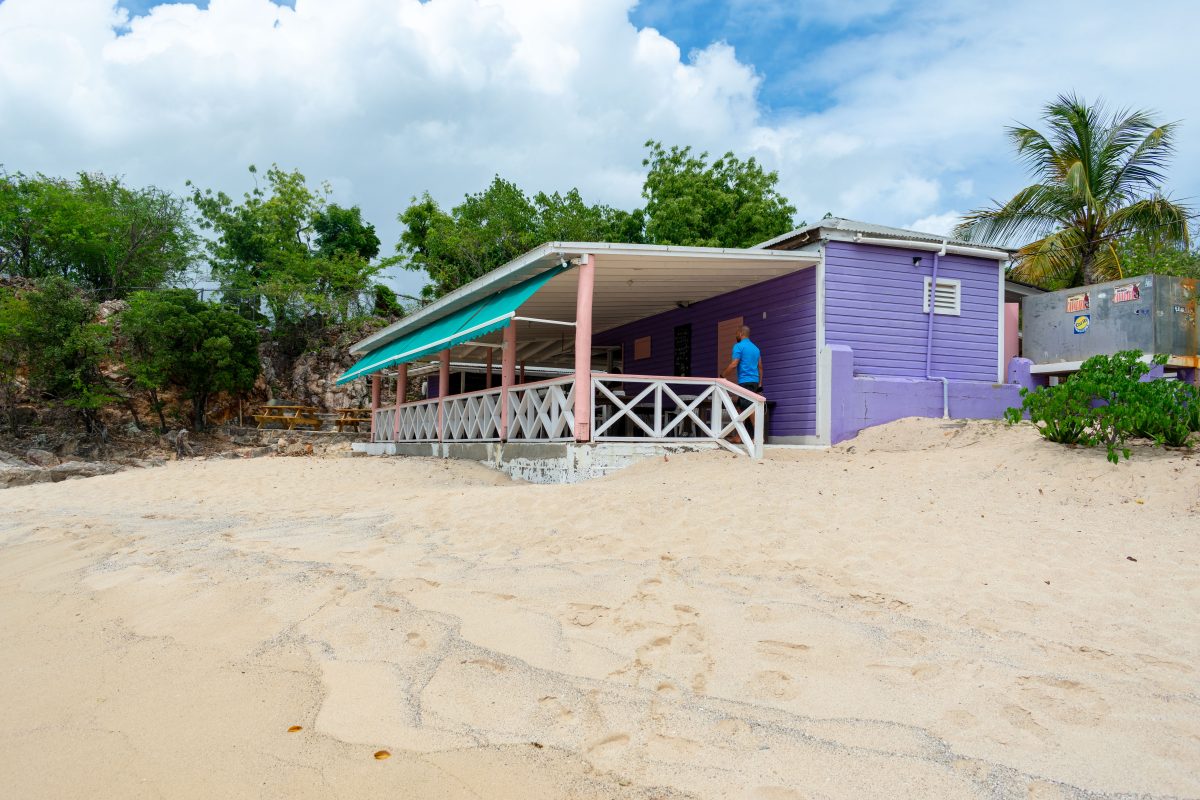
(726,337)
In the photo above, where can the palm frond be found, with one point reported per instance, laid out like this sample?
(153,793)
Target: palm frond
(1034,211)
(1145,165)
(1159,217)
(1052,262)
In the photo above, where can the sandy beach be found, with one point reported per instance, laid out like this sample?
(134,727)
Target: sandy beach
(930,611)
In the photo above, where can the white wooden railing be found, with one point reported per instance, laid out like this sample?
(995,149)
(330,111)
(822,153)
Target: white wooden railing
(625,408)
(383,422)
(472,417)
(639,408)
(418,422)
(543,411)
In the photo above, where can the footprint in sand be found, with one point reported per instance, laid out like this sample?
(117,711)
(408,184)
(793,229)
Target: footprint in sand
(416,640)
(554,706)
(488,664)
(773,684)
(609,745)
(781,651)
(758,614)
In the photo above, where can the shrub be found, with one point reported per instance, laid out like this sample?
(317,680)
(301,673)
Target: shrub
(1107,402)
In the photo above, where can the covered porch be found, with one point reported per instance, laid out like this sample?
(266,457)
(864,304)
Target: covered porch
(521,355)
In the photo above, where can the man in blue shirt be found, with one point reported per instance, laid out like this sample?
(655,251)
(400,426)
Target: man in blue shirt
(748,369)
(747,362)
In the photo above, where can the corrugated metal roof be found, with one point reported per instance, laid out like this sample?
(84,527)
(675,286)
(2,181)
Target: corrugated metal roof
(853,226)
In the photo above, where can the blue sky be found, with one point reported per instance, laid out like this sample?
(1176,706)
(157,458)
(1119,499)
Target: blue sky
(784,41)
(888,111)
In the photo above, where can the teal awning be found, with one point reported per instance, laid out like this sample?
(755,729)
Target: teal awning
(480,318)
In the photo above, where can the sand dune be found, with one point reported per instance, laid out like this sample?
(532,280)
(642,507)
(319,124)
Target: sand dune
(931,611)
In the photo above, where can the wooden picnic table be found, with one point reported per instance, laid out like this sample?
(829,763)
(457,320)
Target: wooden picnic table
(289,416)
(351,416)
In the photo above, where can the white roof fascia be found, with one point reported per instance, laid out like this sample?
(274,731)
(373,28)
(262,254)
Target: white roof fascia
(525,266)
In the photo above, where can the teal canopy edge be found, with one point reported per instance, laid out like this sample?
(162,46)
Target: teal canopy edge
(478,319)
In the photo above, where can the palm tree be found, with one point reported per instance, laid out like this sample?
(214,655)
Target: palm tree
(1099,181)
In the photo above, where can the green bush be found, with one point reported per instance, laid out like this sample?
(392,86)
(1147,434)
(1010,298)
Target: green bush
(1107,402)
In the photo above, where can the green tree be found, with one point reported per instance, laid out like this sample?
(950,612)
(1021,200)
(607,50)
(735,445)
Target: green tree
(286,247)
(172,339)
(94,231)
(66,349)
(484,231)
(1143,256)
(1098,179)
(725,203)
(13,314)
(492,227)
(567,218)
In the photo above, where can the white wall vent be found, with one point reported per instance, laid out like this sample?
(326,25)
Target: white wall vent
(948,299)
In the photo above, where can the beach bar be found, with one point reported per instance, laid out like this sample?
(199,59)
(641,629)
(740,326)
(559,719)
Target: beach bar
(859,325)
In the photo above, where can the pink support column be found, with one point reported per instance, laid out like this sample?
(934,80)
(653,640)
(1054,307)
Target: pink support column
(508,374)
(375,389)
(1012,341)
(488,381)
(401,397)
(443,387)
(583,349)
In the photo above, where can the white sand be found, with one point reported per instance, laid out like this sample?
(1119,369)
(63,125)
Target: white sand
(940,612)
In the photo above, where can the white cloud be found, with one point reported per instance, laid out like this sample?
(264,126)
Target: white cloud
(388,98)
(941,224)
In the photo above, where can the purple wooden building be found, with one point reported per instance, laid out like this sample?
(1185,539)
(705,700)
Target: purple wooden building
(859,324)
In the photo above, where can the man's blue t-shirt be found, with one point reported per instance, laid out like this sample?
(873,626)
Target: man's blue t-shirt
(747,355)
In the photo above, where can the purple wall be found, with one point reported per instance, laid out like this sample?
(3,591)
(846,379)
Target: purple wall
(873,304)
(859,402)
(786,335)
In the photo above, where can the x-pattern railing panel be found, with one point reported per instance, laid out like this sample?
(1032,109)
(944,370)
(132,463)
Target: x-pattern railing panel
(418,422)
(658,409)
(543,411)
(472,417)
(384,424)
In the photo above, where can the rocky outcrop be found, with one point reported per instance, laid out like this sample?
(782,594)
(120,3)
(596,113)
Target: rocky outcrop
(16,472)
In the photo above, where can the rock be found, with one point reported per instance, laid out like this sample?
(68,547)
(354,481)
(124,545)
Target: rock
(10,460)
(255,452)
(132,429)
(11,475)
(109,308)
(82,469)
(42,458)
(182,446)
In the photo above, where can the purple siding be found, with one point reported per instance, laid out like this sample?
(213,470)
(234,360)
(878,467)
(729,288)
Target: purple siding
(873,304)
(782,315)
(860,402)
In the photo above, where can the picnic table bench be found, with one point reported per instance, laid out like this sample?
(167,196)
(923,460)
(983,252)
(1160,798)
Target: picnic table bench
(289,416)
(347,417)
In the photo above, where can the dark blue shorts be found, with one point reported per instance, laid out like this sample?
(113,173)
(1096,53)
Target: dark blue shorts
(743,403)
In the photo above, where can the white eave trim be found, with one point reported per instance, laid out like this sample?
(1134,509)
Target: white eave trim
(551,255)
(914,244)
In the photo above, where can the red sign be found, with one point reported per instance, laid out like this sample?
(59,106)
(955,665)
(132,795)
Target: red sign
(1078,302)
(1123,294)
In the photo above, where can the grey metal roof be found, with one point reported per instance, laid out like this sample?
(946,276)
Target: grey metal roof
(853,226)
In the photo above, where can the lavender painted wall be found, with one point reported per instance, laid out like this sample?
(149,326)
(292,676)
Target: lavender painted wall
(782,315)
(873,304)
(860,402)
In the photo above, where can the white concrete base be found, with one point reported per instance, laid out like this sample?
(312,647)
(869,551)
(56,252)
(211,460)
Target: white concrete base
(539,462)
